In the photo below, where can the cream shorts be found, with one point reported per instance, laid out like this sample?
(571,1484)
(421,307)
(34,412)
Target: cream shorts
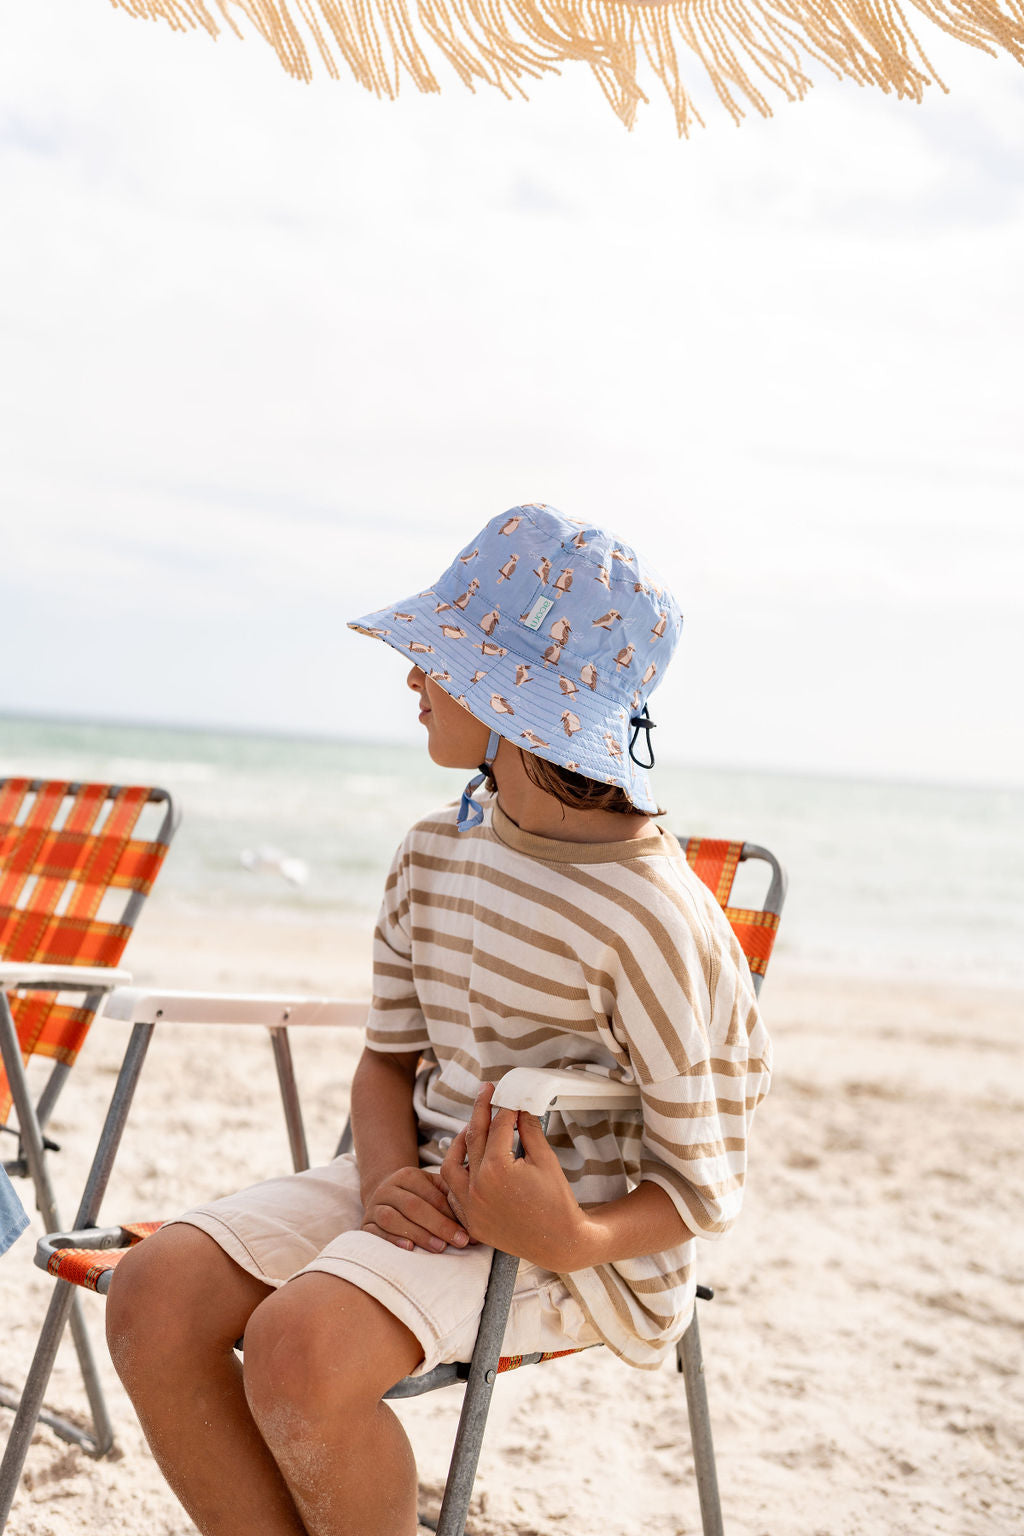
(309,1223)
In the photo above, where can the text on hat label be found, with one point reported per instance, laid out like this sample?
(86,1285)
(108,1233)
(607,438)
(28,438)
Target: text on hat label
(539,612)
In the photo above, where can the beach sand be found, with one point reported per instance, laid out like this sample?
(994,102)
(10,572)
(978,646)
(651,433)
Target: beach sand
(864,1348)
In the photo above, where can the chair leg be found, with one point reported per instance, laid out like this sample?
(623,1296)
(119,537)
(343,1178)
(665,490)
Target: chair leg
(32,1395)
(290,1099)
(691,1364)
(102,1438)
(64,1303)
(477,1399)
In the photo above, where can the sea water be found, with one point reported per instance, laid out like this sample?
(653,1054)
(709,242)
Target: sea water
(885,879)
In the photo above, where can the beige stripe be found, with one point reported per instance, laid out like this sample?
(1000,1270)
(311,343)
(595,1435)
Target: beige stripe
(598,1130)
(403,1004)
(431,938)
(743,1067)
(675,1110)
(521,1043)
(650,1285)
(693,1151)
(395,1038)
(601,1168)
(559,1022)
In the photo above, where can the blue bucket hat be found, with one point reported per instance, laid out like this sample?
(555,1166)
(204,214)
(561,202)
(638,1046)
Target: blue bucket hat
(551,632)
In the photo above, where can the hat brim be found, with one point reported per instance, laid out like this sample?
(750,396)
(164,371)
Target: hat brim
(545,708)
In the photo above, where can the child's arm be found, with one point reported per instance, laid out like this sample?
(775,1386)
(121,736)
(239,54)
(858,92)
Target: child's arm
(526,1205)
(402,1202)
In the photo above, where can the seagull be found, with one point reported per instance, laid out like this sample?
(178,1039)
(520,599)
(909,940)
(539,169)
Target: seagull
(269,860)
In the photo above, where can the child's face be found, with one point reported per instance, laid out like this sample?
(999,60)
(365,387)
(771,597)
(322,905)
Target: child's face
(455,738)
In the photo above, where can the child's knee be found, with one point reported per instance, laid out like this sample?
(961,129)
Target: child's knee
(318,1351)
(165,1299)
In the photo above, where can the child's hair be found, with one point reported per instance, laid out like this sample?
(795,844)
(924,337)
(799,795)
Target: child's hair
(574,790)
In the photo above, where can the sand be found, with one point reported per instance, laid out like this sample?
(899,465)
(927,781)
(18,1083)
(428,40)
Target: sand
(864,1348)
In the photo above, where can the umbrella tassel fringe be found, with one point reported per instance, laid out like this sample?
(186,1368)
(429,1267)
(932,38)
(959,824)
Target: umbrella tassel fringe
(743,45)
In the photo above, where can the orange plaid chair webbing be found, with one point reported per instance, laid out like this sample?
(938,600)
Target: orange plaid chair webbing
(513,1362)
(52,882)
(715,861)
(86,1266)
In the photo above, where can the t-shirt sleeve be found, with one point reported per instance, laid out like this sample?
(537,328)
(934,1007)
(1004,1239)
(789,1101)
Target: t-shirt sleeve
(690,1024)
(396,1021)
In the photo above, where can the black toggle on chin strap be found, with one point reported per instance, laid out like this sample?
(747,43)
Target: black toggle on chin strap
(642,722)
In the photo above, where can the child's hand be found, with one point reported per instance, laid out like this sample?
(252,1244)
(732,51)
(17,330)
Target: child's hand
(410,1209)
(521,1205)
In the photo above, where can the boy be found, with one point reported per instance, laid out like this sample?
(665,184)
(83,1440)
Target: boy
(556,925)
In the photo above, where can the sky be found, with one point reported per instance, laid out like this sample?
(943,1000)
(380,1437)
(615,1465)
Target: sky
(271,353)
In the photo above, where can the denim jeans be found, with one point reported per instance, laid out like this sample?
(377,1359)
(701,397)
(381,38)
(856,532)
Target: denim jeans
(13,1219)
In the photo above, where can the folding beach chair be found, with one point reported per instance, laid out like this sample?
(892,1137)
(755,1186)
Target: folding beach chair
(76,864)
(87,1256)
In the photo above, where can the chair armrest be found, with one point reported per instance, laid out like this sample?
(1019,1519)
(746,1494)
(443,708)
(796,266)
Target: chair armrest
(142,1005)
(60,978)
(539,1089)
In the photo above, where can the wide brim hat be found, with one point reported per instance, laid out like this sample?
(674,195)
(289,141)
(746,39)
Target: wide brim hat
(551,632)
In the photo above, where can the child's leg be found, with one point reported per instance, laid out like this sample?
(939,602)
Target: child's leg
(177,1304)
(319,1355)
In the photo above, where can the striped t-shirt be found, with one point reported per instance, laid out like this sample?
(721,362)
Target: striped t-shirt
(497,948)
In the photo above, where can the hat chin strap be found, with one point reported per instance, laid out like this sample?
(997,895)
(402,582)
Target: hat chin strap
(471,814)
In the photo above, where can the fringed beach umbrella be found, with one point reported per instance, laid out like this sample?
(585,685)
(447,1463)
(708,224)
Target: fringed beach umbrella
(747,47)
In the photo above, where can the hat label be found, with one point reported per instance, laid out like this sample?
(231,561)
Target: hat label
(538,613)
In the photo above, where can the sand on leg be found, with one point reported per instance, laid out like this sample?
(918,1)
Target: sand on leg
(177,1304)
(320,1354)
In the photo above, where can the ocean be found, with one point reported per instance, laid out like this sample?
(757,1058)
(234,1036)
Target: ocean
(885,879)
